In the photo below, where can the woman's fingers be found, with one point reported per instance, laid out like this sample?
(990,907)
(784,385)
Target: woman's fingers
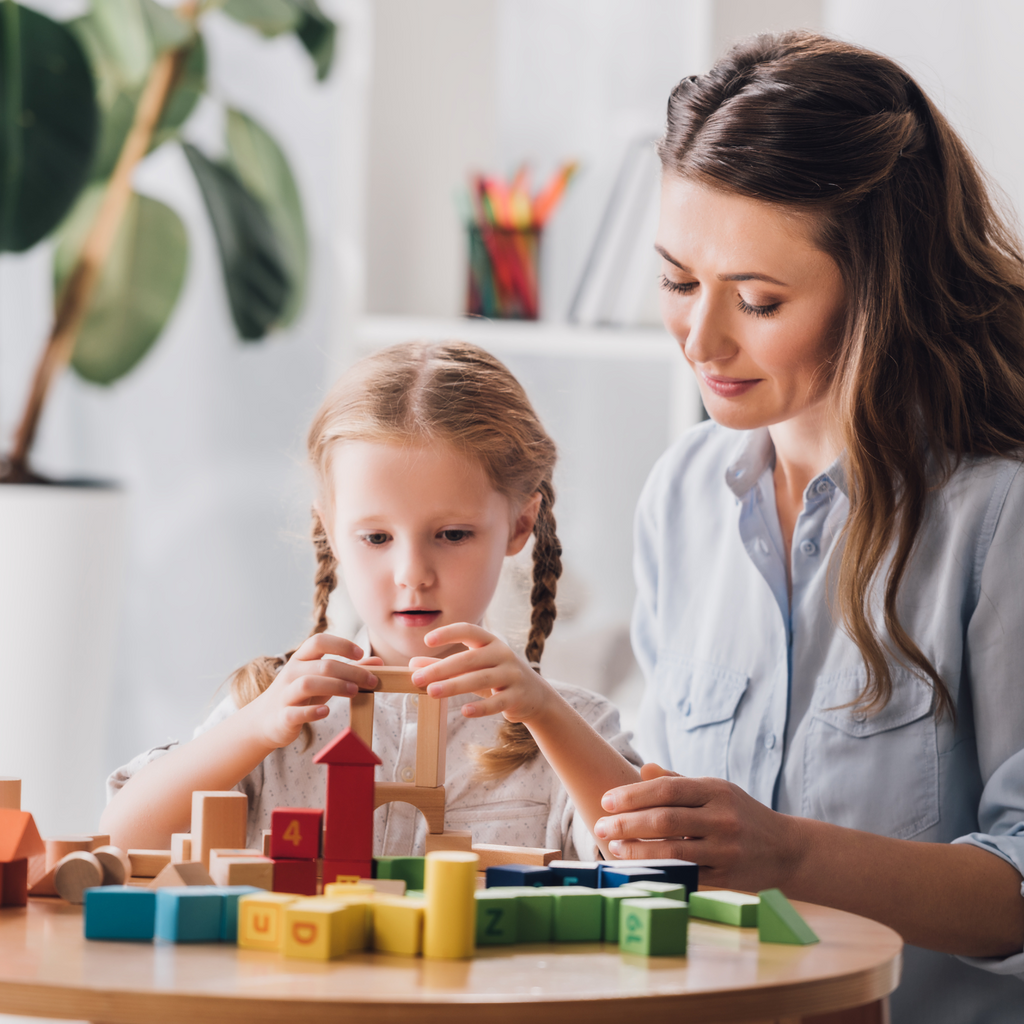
(651,823)
(643,849)
(674,790)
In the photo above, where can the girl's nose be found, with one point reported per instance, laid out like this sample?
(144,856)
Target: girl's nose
(413,569)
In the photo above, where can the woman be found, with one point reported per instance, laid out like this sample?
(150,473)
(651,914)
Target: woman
(829,572)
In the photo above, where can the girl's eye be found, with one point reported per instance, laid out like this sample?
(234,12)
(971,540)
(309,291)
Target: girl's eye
(680,287)
(454,536)
(769,310)
(375,539)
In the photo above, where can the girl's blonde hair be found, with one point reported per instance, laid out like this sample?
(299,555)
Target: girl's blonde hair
(455,394)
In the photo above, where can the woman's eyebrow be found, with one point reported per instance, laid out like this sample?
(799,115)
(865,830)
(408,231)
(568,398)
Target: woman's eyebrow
(722,277)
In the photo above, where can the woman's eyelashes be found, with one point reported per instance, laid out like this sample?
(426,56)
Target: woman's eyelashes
(679,287)
(687,287)
(767,310)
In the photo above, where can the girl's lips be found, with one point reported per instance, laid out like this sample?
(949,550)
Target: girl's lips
(416,617)
(728,387)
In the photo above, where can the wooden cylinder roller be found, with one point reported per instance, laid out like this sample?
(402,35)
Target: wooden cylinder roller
(75,873)
(117,868)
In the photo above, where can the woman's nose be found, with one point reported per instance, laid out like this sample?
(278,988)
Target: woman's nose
(702,331)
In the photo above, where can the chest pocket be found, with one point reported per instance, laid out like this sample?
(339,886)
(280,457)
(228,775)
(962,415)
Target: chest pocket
(879,773)
(700,702)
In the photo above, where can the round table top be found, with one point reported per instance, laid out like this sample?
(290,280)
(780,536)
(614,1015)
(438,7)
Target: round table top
(47,968)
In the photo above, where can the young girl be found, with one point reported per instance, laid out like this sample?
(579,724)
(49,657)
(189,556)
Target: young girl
(431,468)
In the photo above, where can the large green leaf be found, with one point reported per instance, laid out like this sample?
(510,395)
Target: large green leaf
(257,279)
(271,17)
(48,124)
(126,37)
(318,34)
(166,29)
(188,88)
(137,289)
(263,169)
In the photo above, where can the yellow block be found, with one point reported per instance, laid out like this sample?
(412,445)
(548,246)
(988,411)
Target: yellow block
(333,890)
(398,925)
(319,929)
(449,926)
(261,919)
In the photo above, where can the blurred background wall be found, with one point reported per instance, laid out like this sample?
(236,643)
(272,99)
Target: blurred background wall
(207,436)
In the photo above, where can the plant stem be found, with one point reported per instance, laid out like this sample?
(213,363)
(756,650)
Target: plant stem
(76,296)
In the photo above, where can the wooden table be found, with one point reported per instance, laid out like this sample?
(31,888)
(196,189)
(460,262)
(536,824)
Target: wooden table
(48,969)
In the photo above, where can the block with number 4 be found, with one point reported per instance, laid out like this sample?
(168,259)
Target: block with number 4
(295,832)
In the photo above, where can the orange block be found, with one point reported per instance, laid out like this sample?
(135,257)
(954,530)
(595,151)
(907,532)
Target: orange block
(20,840)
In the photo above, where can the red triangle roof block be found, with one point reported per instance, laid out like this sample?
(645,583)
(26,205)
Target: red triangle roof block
(19,836)
(346,748)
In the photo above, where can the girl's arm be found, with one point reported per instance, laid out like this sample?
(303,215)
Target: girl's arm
(587,764)
(157,800)
(952,898)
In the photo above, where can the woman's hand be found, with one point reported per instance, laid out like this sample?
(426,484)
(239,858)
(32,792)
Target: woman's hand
(738,842)
(302,688)
(488,668)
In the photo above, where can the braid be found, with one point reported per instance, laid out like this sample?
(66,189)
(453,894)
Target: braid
(249,681)
(516,746)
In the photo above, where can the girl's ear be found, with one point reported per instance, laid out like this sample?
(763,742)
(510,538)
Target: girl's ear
(523,526)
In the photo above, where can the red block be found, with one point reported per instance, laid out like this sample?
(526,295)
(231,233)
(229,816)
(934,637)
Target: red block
(346,868)
(295,876)
(348,828)
(295,832)
(14,883)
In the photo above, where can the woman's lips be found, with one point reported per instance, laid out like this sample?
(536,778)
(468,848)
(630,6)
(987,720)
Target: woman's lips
(728,387)
(415,617)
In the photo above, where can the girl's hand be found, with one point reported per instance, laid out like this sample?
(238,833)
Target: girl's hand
(738,842)
(488,668)
(300,692)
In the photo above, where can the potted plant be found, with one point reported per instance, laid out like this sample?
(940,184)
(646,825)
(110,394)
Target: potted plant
(81,104)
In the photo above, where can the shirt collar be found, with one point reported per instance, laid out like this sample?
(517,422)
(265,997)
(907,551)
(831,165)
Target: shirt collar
(756,453)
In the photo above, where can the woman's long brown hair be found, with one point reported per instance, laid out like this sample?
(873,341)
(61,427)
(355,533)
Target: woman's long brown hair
(930,366)
(457,395)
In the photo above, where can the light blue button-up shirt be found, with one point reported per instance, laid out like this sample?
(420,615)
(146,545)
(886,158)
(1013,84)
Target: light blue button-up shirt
(747,684)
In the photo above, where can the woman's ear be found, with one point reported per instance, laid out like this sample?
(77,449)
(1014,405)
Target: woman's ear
(523,526)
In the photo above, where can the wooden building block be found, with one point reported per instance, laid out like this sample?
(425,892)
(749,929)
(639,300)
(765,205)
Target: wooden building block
(261,919)
(393,679)
(410,869)
(117,868)
(496,918)
(188,913)
(257,872)
(388,886)
(45,886)
(58,847)
(653,926)
(429,801)
(20,840)
(449,930)
(265,846)
(398,926)
(295,832)
(348,818)
(181,847)
(670,890)
(14,883)
(319,929)
(431,740)
(229,910)
(450,839)
(521,874)
(100,839)
(360,716)
(778,921)
(610,917)
(148,863)
(572,872)
(535,914)
(725,907)
(340,870)
(609,876)
(294,876)
(579,914)
(189,872)
(493,856)
(682,872)
(122,912)
(219,819)
(75,873)
(347,890)
(10,793)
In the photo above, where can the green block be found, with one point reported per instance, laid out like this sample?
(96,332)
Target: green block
(612,898)
(778,921)
(409,869)
(416,894)
(736,908)
(669,890)
(535,913)
(497,916)
(653,926)
(579,914)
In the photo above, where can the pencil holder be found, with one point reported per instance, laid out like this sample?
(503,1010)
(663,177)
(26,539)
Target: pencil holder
(503,272)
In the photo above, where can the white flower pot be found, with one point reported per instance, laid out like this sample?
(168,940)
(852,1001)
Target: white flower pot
(62,555)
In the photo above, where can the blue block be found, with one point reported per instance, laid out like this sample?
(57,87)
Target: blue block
(576,872)
(229,909)
(124,912)
(521,874)
(610,876)
(189,913)
(682,872)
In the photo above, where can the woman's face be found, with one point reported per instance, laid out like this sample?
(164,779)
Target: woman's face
(753,304)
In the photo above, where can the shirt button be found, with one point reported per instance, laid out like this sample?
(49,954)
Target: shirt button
(808,547)
(762,545)
(823,487)
(860,716)
(408,774)
(769,741)
(688,708)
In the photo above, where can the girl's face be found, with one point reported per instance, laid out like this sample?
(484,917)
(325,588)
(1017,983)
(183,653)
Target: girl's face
(420,535)
(754,305)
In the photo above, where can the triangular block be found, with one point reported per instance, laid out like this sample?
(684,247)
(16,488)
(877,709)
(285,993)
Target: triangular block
(346,748)
(20,840)
(778,921)
(189,872)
